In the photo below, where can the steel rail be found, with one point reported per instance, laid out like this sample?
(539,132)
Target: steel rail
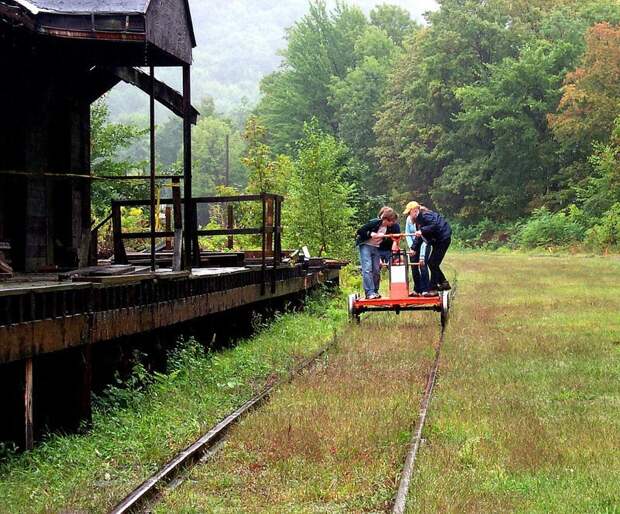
(148,490)
(400,500)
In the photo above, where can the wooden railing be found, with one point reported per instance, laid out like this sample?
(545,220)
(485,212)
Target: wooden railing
(270,230)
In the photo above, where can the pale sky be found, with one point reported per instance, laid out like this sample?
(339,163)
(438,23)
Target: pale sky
(238,43)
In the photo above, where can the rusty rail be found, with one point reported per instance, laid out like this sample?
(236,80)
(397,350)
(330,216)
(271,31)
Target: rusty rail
(140,497)
(400,501)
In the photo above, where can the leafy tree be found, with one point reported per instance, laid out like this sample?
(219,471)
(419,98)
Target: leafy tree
(168,141)
(414,129)
(395,21)
(591,99)
(107,140)
(209,155)
(320,46)
(507,157)
(318,211)
(267,174)
(601,190)
(169,137)
(359,94)
(464,125)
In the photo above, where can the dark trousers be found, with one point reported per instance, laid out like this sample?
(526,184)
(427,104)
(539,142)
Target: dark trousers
(439,251)
(421,281)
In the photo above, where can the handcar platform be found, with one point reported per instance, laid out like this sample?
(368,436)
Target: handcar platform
(398,299)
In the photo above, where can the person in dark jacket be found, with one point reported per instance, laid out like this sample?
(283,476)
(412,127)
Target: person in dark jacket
(367,239)
(437,231)
(388,245)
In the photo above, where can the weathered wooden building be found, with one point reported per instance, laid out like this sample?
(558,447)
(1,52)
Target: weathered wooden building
(61,334)
(58,57)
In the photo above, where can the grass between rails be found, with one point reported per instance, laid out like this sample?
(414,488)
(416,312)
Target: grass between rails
(334,440)
(526,416)
(91,472)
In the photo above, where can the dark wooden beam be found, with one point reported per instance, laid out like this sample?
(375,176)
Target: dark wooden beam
(164,94)
(189,213)
(28,416)
(152,161)
(16,16)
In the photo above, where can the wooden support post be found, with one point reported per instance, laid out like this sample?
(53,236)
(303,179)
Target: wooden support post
(187,163)
(269,223)
(230,225)
(120,256)
(168,215)
(177,258)
(195,245)
(277,251)
(85,404)
(28,414)
(264,245)
(93,253)
(152,163)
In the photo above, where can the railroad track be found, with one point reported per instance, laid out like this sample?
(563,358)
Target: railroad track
(400,501)
(145,495)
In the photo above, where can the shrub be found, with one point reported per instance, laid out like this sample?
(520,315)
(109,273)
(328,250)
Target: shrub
(484,234)
(606,234)
(544,228)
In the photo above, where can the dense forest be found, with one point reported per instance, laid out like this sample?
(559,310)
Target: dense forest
(503,115)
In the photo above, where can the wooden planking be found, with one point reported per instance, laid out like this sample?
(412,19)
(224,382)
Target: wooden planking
(168,25)
(50,335)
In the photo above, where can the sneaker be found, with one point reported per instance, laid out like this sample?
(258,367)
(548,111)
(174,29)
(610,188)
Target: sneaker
(430,293)
(444,286)
(414,294)
(373,296)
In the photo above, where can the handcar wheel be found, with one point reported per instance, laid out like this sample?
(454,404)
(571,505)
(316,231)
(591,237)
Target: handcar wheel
(445,307)
(353,315)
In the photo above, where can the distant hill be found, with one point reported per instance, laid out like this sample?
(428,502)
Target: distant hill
(238,43)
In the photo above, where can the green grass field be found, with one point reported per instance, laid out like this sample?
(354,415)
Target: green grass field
(332,441)
(90,473)
(525,416)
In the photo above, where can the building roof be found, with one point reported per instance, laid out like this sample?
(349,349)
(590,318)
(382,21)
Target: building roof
(168,22)
(85,6)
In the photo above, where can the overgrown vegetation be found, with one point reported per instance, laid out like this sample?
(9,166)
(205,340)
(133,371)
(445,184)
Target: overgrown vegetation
(490,113)
(139,426)
(332,441)
(525,417)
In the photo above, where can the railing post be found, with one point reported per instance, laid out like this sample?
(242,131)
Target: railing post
(270,226)
(196,245)
(264,244)
(277,251)
(177,258)
(93,252)
(230,224)
(168,221)
(120,256)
